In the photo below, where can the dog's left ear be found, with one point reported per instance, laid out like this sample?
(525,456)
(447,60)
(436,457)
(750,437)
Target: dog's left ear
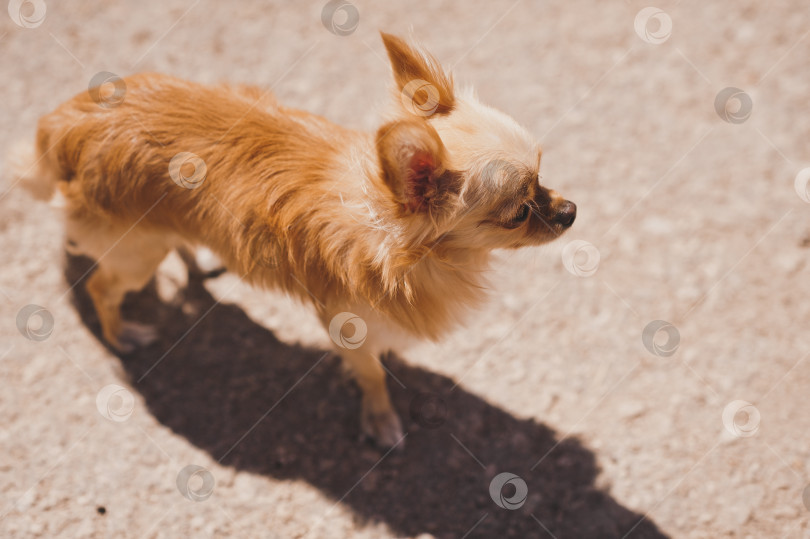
(419,78)
(412,157)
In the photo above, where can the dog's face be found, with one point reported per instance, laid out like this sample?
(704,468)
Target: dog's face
(469,171)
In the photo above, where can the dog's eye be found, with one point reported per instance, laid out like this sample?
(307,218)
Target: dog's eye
(522,214)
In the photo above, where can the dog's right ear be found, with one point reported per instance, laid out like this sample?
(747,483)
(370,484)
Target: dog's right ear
(412,157)
(424,86)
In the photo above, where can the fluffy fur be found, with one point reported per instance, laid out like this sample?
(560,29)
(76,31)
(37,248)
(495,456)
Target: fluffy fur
(395,226)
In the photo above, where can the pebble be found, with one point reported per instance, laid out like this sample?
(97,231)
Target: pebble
(631,409)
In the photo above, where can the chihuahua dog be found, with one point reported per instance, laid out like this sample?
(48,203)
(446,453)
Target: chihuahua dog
(387,234)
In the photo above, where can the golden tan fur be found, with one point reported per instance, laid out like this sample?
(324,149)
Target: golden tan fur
(395,226)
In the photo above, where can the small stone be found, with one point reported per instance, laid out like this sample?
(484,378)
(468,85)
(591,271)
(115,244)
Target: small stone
(631,409)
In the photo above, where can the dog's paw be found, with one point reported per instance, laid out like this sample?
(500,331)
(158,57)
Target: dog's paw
(134,335)
(383,427)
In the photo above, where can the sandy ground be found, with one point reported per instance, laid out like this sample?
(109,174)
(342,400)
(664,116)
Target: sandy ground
(696,221)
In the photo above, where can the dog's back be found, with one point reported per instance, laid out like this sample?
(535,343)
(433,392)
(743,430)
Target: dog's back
(115,158)
(226,159)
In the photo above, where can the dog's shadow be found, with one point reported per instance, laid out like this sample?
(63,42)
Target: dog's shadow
(257,404)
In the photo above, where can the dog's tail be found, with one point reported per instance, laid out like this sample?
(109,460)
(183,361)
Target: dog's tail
(29,171)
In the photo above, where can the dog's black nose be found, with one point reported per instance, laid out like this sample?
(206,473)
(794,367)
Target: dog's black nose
(566,214)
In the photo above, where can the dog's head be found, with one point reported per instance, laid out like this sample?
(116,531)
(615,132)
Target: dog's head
(465,171)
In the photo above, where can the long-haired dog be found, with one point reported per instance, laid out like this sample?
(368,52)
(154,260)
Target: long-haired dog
(387,234)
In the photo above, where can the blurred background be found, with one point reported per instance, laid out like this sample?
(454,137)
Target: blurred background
(644,377)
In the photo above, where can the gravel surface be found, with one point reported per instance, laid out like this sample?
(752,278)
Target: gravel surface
(690,204)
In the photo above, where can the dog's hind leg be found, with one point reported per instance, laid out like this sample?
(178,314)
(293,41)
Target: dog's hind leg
(126,260)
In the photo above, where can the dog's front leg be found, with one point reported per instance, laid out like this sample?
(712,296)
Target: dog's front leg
(378,418)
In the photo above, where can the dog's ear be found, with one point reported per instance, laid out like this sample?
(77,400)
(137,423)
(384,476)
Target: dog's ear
(412,157)
(423,85)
